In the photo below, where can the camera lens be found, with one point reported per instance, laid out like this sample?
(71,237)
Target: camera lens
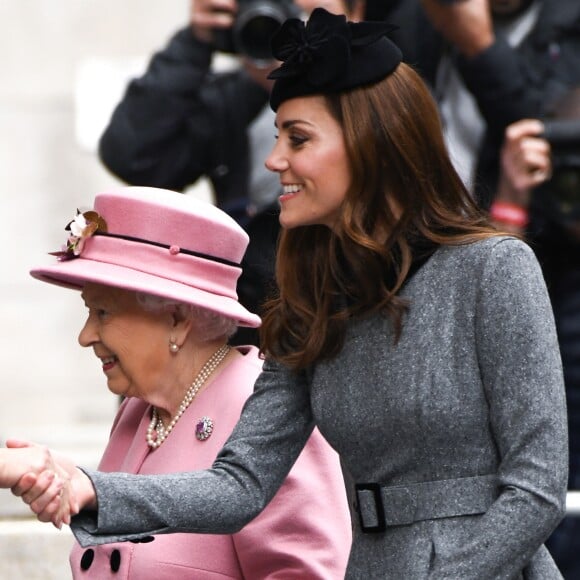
(254,29)
(566,189)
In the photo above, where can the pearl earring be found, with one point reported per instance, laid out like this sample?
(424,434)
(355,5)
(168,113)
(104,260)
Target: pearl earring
(173,347)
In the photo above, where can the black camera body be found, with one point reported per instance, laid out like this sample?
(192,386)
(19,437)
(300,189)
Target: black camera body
(560,196)
(255,23)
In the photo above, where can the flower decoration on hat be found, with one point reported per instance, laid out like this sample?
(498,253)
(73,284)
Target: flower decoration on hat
(81,228)
(321,49)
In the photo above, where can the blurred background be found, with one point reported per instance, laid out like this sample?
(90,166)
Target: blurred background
(64,66)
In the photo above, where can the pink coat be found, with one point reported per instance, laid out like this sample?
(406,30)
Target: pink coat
(304,533)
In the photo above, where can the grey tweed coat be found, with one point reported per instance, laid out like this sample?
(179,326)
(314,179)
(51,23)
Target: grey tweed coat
(460,428)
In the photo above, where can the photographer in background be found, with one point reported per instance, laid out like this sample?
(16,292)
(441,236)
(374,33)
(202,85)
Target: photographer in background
(539,197)
(182,120)
(491,63)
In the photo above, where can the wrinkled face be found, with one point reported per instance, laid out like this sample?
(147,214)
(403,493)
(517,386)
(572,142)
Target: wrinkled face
(131,342)
(311,159)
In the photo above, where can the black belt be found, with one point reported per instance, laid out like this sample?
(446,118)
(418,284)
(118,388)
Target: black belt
(380,506)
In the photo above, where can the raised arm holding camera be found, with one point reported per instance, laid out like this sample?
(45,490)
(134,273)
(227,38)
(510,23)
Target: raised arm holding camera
(492,63)
(525,164)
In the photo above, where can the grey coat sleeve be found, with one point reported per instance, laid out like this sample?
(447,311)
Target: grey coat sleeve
(522,377)
(275,424)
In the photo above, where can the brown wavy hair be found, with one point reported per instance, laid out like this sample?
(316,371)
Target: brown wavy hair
(404,190)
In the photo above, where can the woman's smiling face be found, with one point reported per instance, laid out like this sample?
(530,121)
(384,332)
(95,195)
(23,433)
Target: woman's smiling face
(311,159)
(132,343)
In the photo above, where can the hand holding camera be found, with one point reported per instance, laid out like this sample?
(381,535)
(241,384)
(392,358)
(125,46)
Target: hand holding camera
(525,159)
(209,15)
(541,161)
(525,163)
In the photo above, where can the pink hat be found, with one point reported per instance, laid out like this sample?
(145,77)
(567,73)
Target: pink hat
(156,241)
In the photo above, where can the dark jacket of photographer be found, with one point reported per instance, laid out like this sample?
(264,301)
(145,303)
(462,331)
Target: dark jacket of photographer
(179,122)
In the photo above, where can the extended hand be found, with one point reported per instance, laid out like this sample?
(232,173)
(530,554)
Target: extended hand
(43,483)
(14,463)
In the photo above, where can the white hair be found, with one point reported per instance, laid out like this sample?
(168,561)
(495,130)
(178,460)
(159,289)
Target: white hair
(208,325)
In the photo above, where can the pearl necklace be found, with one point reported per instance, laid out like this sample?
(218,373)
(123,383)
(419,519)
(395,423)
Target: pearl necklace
(156,426)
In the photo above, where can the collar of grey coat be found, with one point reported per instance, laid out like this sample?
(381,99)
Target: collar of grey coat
(422,249)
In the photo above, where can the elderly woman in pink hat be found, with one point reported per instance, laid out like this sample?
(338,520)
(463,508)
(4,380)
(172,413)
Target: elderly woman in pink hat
(157,271)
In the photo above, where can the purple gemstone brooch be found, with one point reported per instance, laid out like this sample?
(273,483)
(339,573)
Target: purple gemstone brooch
(204,428)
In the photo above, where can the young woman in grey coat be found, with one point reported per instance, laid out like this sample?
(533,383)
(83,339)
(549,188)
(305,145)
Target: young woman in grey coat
(416,337)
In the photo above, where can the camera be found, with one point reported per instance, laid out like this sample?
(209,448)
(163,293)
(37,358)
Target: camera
(561,194)
(255,24)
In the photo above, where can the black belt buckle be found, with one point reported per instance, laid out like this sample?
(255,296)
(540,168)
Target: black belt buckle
(381,526)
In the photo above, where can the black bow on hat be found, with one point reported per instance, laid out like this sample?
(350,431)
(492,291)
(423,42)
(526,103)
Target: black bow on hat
(329,54)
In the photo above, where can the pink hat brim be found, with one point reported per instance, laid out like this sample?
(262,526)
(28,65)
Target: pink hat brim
(75,273)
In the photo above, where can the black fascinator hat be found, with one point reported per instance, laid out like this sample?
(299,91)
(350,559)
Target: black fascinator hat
(329,54)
